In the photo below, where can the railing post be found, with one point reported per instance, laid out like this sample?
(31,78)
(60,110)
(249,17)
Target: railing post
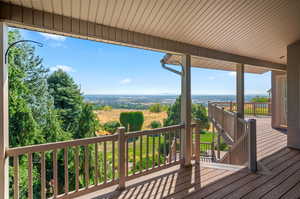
(252,159)
(197,143)
(4,144)
(254,108)
(121,158)
(230,108)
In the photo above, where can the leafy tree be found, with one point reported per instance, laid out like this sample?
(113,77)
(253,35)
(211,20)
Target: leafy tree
(67,100)
(173,113)
(155,124)
(198,113)
(155,108)
(32,118)
(111,126)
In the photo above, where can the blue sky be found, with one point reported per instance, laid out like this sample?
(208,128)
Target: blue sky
(102,68)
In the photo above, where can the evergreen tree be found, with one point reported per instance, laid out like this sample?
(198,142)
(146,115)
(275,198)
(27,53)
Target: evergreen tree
(67,99)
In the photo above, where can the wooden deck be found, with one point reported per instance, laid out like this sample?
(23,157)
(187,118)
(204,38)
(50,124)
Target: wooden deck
(278,176)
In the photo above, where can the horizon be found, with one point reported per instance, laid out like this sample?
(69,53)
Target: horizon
(108,69)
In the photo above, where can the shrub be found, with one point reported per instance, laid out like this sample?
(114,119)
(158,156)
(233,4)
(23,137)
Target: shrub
(107,108)
(155,108)
(260,99)
(111,126)
(199,114)
(155,124)
(132,121)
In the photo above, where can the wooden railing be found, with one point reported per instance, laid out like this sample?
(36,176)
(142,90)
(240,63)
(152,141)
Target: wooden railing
(224,121)
(243,132)
(250,108)
(94,163)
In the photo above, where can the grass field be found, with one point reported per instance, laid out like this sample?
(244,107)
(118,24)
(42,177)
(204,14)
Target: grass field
(114,114)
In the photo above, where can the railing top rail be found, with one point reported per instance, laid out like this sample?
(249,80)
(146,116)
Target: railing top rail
(58,145)
(85,141)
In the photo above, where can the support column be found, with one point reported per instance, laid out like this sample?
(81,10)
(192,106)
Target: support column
(293,95)
(186,106)
(4,191)
(240,90)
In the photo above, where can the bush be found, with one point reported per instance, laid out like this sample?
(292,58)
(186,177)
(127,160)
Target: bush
(199,114)
(260,99)
(107,108)
(132,121)
(111,126)
(155,108)
(155,124)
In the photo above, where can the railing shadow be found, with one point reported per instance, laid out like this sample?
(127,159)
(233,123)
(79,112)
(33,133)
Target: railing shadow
(175,184)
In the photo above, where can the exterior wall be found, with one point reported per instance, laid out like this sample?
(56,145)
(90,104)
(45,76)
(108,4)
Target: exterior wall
(279,100)
(293,95)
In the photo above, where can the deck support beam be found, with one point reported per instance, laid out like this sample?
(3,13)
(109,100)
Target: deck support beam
(186,106)
(4,144)
(240,90)
(293,95)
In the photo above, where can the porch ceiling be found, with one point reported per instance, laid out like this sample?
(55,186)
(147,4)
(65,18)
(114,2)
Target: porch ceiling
(203,62)
(256,29)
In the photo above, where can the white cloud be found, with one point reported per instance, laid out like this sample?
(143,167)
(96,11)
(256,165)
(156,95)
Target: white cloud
(233,73)
(53,37)
(211,77)
(62,67)
(125,81)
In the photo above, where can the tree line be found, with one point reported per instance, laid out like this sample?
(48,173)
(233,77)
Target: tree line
(43,108)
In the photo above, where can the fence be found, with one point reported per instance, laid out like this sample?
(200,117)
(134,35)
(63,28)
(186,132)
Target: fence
(250,108)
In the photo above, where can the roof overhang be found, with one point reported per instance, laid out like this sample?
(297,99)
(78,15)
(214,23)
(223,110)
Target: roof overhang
(254,33)
(215,64)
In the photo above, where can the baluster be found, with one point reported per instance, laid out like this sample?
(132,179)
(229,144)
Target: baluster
(165,148)
(55,187)
(153,151)
(197,143)
(104,162)
(179,134)
(77,168)
(141,153)
(159,150)
(113,160)
(134,166)
(127,157)
(86,167)
(30,189)
(43,176)
(66,170)
(121,159)
(170,147)
(174,137)
(147,151)
(96,164)
(16,177)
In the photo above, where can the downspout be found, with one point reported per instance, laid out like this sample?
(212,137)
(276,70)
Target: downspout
(163,64)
